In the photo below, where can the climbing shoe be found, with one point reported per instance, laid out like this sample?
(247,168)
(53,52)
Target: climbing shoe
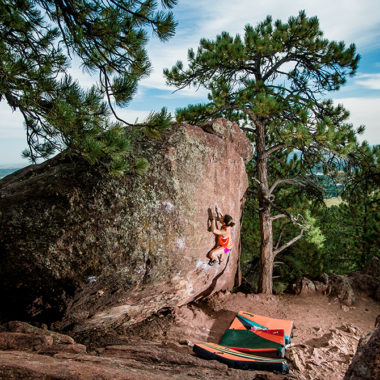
(211,262)
(220,259)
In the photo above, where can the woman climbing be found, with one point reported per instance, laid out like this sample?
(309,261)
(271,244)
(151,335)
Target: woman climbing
(225,243)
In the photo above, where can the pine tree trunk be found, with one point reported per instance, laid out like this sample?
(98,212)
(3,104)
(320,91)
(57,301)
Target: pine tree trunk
(266,253)
(364,245)
(266,247)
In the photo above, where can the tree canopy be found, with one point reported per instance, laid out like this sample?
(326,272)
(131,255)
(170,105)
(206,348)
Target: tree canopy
(273,82)
(38,40)
(279,73)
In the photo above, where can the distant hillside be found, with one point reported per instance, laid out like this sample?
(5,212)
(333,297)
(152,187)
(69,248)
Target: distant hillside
(5,172)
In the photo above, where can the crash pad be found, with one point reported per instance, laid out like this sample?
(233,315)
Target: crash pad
(240,360)
(259,342)
(248,321)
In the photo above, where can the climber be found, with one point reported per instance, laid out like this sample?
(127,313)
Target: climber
(225,243)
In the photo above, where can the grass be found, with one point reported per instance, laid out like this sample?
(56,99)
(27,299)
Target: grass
(336,201)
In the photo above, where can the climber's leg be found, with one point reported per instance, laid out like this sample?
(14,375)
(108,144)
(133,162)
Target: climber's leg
(226,251)
(213,254)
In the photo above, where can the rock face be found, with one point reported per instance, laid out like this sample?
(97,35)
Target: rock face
(338,286)
(43,354)
(366,362)
(368,280)
(326,356)
(106,250)
(304,287)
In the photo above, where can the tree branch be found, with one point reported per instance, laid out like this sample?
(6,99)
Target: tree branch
(278,216)
(290,181)
(251,115)
(279,238)
(249,130)
(107,86)
(293,219)
(289,243)
(256,180)
(274,68)
(273,149)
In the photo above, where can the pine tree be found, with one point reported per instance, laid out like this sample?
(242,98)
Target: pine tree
(39,38)
(273,82)
(362,201)
(302,203)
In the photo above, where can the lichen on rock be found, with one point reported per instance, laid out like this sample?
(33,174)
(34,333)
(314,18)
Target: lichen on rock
(143,237)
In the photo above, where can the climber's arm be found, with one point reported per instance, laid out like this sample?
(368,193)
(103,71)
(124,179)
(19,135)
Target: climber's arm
(215,230)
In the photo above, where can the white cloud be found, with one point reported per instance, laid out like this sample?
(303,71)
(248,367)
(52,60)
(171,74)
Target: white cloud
(131,116)
(370,81)
(11,122)
(347,20)
(85,80)
(350,20)
(364,111)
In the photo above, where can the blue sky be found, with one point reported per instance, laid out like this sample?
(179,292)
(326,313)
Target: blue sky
(348,20)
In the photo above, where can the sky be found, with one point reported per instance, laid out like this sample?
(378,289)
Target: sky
(352,21)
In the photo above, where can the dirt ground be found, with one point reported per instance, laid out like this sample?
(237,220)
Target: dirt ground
(309,313)
(324,341)
(161,347)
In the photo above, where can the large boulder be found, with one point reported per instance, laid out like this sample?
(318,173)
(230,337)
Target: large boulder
(306,287)
(367,281)
(101,249)
(340,287)
(366,362)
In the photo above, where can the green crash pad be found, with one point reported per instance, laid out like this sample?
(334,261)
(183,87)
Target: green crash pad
(248,341)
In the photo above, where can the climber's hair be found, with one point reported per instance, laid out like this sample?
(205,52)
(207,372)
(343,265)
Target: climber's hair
(228,221)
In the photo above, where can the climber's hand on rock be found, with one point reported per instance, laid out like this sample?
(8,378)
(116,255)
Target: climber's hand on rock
(210,214)
(219,214)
